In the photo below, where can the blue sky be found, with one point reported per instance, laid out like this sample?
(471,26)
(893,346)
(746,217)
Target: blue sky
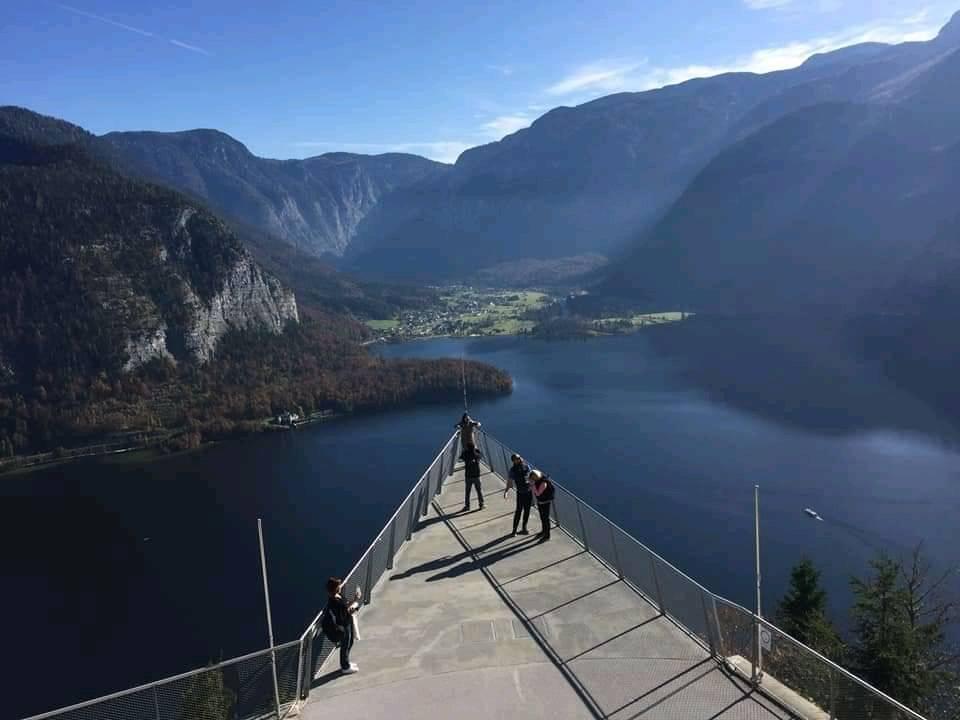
(293,78)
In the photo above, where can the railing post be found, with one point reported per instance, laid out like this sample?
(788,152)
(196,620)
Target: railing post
(368,590)
(656,584)
(392,548)
(306,665)
(156,705)
(506,460)
(757,670)
(833,696)
(583,529)
(616,553)
(414,502)
(706,624)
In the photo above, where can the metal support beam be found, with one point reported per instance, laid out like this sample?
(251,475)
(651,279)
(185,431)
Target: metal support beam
(266,597)
(616,553)
(656,583)
(583,529)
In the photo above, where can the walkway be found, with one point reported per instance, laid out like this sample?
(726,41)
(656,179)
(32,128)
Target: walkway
(474,624)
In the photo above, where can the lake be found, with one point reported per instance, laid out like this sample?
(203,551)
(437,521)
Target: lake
(119,571)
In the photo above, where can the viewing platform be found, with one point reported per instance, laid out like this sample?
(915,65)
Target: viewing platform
(463,620)
(473,623)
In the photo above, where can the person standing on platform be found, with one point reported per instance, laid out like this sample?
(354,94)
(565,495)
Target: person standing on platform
(517,479)
(471,474)
(544,491)
(337,623)
(467,426)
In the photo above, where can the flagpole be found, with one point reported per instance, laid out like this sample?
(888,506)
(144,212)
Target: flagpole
(266,596)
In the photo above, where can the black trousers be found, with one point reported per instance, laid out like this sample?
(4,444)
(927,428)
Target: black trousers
(345,646)
(524,500)
(472,483)
(544,509)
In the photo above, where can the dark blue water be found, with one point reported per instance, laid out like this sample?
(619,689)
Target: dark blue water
(117,573)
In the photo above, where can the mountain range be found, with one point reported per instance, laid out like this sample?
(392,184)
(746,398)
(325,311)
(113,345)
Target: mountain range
(609,177)
(847,203)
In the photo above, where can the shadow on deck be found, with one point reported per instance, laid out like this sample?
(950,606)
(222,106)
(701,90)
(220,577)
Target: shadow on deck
(474,623)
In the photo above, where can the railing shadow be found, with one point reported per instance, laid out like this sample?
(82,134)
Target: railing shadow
(674,684)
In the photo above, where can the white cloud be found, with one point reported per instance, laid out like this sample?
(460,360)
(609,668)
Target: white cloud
(603,76)
(502,69)
(766,4)
(506,124)
(442,150)
(600,78)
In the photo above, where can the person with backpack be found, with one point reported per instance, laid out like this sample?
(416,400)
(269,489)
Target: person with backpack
(466,426)
(517,478)
(544,491)
(471,472)
(336,622)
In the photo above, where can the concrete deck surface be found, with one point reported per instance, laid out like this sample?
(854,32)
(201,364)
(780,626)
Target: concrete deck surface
(472,623)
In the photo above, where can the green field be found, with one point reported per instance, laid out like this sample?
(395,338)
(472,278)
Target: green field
(383,324)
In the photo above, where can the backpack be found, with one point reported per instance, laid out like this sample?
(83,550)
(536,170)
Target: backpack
(328,624)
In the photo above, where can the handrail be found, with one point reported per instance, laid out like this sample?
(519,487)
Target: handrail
(612,523)
(164,681)
(304,642)
(838,668)
(753,616)
(389,522)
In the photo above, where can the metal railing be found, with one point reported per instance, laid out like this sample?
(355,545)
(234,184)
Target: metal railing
(242,688)
(238,688)
(378,558)
(809,684)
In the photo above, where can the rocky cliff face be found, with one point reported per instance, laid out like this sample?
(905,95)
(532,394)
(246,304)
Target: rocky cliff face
(248,298)
(104,273)
(314,204)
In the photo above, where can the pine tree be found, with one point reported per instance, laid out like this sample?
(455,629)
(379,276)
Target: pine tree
(802,612)
(900,622)
(207,698)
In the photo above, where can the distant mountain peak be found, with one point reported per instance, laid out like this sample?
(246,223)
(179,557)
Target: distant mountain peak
(951,31)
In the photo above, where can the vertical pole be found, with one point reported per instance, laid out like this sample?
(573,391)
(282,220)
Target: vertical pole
(392,548)
(706,624)
(266,597)
(583,529)
(368,591)
(656,582)
(833,696)
(616,554)
(156,705)
(758,656)
(414,504)
(463,376)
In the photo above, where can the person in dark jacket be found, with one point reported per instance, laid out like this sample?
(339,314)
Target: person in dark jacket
(471,472)
(517,479)
(543,490)
(466,426)
(342,615)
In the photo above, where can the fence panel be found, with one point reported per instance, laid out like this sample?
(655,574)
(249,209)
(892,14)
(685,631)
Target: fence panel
(599,538)
(682,599)
(636,564)
(736,629)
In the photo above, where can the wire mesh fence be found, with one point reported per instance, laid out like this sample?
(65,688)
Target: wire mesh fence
(797,676)
(238,688)
(809,684)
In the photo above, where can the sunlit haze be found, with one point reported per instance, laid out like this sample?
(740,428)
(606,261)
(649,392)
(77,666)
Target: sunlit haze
(297,78)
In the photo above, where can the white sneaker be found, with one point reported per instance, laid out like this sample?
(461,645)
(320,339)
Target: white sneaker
(351,670)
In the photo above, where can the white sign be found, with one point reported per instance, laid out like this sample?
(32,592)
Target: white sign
(766,639)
